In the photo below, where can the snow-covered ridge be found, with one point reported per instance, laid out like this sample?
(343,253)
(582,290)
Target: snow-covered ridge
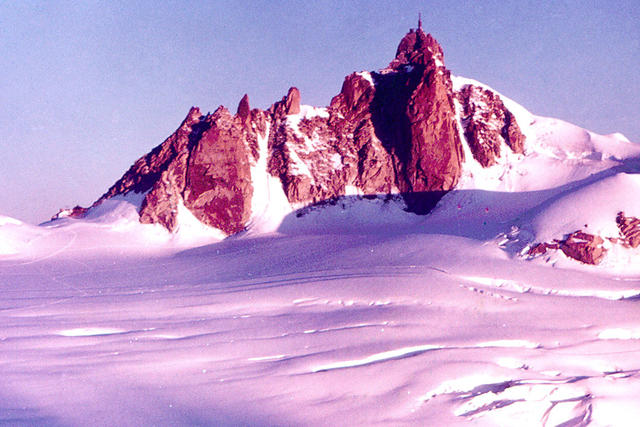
(556,152)
(332,162)
(523,116)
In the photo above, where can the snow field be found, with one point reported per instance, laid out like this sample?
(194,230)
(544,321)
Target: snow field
(307,329)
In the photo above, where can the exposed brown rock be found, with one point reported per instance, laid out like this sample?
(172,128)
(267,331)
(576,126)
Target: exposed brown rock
(436,155)
(488,124)
(160,205)
(368,162)
(204,165)
(254,127)
(542,248)
(416,48)
(584,247)
(75,212)
(289,104)
(161,173)
(375,173)
(414,117)
(512,133)
(147,170)
(292,102)
(307,175)
(629,229)
(354,100)
(588,248)
(244,111)
(316,158)
(218,186)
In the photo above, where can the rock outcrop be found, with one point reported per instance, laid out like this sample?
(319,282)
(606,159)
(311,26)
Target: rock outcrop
(584,247)
(488,125)
(244,110)
(203,165)
(543,248)
(589,248)
(290,104)
(75,212)
(389,132)
(629,229)
(162,173)
(218,187)
(419,127)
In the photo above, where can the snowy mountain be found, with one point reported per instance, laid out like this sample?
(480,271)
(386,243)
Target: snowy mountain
(423,251)
(408,134)
(391,132)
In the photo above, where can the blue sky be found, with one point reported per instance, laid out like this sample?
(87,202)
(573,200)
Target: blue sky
(88,87)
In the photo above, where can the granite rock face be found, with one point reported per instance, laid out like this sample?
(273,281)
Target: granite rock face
(161,174)
(488,125)
(204,166)
(417,122)
(218,187)
(75,212)
(390,132)
(589,248)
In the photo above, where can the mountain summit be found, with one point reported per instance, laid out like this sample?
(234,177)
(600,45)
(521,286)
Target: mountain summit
(404,135)
(389,133)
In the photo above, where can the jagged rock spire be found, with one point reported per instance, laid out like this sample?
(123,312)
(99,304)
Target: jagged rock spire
(416,48)
(243,108)
(289,104)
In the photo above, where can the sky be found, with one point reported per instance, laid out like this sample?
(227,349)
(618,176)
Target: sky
(88,87)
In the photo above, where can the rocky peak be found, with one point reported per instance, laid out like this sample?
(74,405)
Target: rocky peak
(75,212)
(392,132)
(584,247)
(193,116)
(289,104)
(243,110)
(146,171)
(292,101)
(355,96)
(417,48)
(416,120)
(217,188)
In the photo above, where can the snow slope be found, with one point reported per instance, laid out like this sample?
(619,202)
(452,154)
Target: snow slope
(392,328)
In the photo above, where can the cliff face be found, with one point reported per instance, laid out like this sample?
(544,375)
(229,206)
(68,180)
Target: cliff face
(391,131)
(162,173)
(218,186)
(394,131)
(488,125)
